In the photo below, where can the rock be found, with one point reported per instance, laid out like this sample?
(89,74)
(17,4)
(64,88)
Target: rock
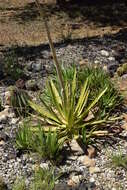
(29,66)
(104,53)
(76,179)
(41,83)
(94,170)
(122,70)
(44,165)
(124,126)
(111,58)
(92,180)
(2,142)
(62,187)
(90,116)
(31,85)
(71,183)
(76,149)
(112,68)
(3,136)
(91,151)
(97,62)
(84,62)
(37,67)
(105,68)
(4,115)
(2,184)
(124,76)
(87,161)
(20,83)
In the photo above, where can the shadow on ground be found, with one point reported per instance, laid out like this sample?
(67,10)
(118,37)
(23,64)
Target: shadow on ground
(35,51)
(101,13)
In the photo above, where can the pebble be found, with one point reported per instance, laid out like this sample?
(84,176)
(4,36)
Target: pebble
(36,67)
(104,53)
(101,52)
(92,180)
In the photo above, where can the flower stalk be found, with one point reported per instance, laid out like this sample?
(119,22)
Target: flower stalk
(58,68)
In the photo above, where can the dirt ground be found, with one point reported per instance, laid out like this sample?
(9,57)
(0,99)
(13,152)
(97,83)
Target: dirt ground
(20,22)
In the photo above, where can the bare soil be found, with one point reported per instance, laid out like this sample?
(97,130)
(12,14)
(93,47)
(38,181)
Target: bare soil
(20,23)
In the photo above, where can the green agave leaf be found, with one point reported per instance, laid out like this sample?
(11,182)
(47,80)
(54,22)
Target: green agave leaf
(55,93)
(81,98)
(74,84)
(86,95)
(58,102)
(92,105)
(44,113)
(57,115)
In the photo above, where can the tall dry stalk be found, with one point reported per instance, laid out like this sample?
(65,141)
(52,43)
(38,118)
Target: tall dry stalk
(58,68)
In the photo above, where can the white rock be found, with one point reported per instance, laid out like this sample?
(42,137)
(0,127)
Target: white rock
(76,148)
(88,161)
(97,62)
(92,180)
(111,58)
(44,166)
(94,170)
(76,179)
(104,53)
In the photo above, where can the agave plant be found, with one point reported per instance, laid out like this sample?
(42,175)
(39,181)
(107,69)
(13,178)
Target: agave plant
(24,138)
(68,115)
(47,145)
(19,101)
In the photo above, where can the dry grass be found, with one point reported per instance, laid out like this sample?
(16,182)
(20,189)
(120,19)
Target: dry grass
(16,27)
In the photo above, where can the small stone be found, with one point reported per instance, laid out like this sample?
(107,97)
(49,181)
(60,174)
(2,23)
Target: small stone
(20,83)
(97,62)
(62,187)
(2,142)
(111,58)
(2,184)
(91,151)
(104,53)
(4,115)
(76,179)
(105,68)
(3,136)
(36,67)
(124,76)
(29,66)
(84,62)
(88,162)
(92,180)
(71,183)
(124,126)
(44,166)
(94,170)
(31,85)
(76,149)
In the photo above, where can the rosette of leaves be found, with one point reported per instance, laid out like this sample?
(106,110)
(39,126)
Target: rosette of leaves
(68,114)
(46,144)
(19,101)
(98,80)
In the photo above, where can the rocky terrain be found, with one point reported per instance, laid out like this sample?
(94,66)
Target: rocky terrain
(81,172)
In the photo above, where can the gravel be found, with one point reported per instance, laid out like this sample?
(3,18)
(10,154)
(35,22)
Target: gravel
(102,51)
